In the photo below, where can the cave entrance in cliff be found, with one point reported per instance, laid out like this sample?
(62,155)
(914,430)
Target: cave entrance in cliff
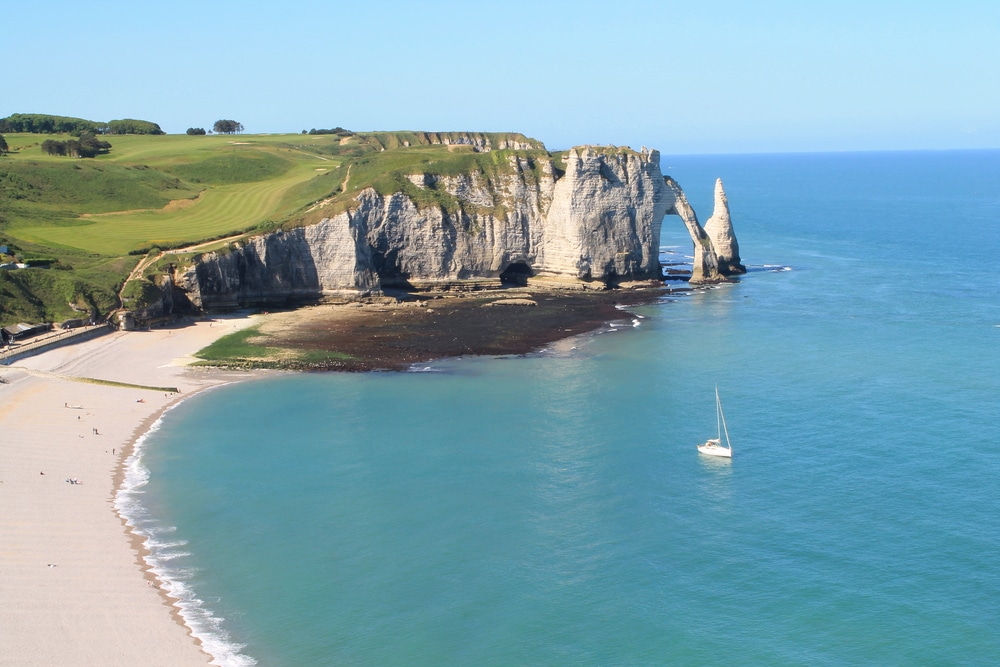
(516,274)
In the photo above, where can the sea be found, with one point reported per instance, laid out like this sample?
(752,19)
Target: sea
(552,509)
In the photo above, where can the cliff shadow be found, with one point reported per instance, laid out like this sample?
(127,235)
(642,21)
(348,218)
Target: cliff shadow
(516,275)
(275,270)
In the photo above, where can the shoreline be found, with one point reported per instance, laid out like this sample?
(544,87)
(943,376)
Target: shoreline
(139,540)
(189,612)
(75,577)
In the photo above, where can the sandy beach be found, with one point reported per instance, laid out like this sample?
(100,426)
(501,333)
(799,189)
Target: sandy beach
(73,586)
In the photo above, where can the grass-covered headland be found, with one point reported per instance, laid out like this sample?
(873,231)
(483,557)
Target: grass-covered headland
(72,230)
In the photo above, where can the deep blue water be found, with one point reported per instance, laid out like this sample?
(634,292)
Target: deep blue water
(553,509)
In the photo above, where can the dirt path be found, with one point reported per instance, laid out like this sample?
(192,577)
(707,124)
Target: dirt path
(145,262)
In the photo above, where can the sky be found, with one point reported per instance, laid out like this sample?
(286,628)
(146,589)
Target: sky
(685,77)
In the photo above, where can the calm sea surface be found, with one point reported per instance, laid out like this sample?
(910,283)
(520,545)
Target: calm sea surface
(553,510)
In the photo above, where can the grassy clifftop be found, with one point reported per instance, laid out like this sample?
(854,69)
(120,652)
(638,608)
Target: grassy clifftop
(89,222)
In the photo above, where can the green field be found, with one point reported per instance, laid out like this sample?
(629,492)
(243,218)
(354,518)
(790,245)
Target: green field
(225,186)
(88,222)
(96,217)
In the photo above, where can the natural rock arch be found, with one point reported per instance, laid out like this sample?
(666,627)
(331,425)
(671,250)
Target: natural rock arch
(705,267)
(716,250)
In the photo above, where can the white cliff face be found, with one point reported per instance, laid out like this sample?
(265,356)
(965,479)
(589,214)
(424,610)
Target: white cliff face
(597,223)
(605,216)
(298,264)
(494,225)
(720,229)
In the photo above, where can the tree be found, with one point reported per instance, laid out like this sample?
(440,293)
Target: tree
(53,147)
(196,130)
(3,145)
(227,127)
(87,145)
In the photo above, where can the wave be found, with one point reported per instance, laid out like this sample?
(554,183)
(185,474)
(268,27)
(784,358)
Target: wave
(162,549)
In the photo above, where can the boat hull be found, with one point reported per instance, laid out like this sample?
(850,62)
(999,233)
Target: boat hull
(712,449)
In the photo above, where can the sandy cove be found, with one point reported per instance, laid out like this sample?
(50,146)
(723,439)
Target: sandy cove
(73,587)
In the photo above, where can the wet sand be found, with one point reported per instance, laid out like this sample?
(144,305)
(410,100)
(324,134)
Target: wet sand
(392,336)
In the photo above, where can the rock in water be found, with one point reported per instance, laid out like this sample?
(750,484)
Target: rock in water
(720,229)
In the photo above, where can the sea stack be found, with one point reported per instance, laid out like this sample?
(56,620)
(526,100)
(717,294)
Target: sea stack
(720,229)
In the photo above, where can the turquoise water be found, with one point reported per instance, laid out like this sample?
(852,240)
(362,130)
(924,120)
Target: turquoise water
(553,510)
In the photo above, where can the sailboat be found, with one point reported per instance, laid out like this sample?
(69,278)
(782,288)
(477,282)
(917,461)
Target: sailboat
(713,446)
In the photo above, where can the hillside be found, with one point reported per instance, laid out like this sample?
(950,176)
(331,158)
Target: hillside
(84,225)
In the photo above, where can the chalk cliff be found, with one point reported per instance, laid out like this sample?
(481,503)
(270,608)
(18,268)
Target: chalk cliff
(589,219)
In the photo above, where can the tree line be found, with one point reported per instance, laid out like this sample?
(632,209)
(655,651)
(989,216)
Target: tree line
(339,131)
(37,123)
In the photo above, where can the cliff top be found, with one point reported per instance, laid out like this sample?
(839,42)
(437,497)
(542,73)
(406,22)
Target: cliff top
(399,159)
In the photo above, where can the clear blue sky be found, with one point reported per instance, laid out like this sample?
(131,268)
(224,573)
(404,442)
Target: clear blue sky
(696,76)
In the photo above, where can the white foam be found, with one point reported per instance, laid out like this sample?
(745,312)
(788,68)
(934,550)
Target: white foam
(204,625)
(153,543)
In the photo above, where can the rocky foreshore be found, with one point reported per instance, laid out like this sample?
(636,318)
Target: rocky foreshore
(392,334)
